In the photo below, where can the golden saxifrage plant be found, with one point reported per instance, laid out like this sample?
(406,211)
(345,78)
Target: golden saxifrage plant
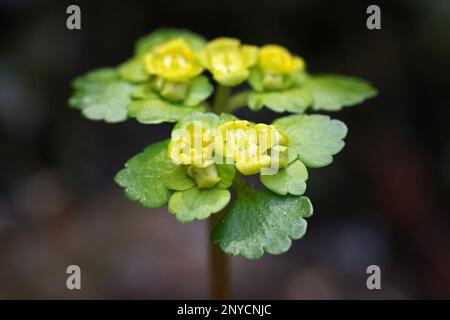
(170,78)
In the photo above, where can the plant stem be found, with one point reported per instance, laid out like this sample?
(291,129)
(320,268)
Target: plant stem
(221,99)
(219,264)
(218,260)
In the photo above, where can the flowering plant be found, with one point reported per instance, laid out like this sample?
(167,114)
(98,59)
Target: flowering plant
(210,151)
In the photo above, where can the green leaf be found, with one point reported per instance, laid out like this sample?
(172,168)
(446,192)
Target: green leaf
(261,221)
(225,117)
(102,95)
(226,173)
(156,110)
(145,91)
(300,77)
(291,155)
(133,70)
(315,138)
(178,179)
(199,90)
(148,176)
(255,79)
(197,204)
(288,180)
(160,36)
(292,100)
(333,92)
(208,120)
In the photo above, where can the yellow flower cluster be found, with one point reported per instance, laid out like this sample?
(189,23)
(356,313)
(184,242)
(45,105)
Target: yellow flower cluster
(250,147)
(226,58)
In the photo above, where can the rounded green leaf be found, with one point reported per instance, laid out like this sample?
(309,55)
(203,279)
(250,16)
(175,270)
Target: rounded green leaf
(333,92)
(291,155)
(208,120)
(148,176)
(255,79)
(133,70)
(197,204)
(102,95)
(225,117)
(292,100)
(199,90)
(290,180)
(179,179)
(156,110)
(261,221)
(315,138)
(144,91)
(226,173)
(160,36)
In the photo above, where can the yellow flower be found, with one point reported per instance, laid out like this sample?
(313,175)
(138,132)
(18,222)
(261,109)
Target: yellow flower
(191,145)
(278,60)
(173,61)
(275,69)
(228,60)
(253,147)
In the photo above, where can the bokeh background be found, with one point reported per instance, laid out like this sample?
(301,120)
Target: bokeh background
(385,200)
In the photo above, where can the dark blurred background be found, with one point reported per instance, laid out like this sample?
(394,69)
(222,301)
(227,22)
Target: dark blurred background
(384,201)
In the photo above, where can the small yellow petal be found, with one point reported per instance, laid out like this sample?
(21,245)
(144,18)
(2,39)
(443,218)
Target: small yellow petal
(278,60)
(249,55)
(299,63)
(247,168)
(223,43)
(148,62)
